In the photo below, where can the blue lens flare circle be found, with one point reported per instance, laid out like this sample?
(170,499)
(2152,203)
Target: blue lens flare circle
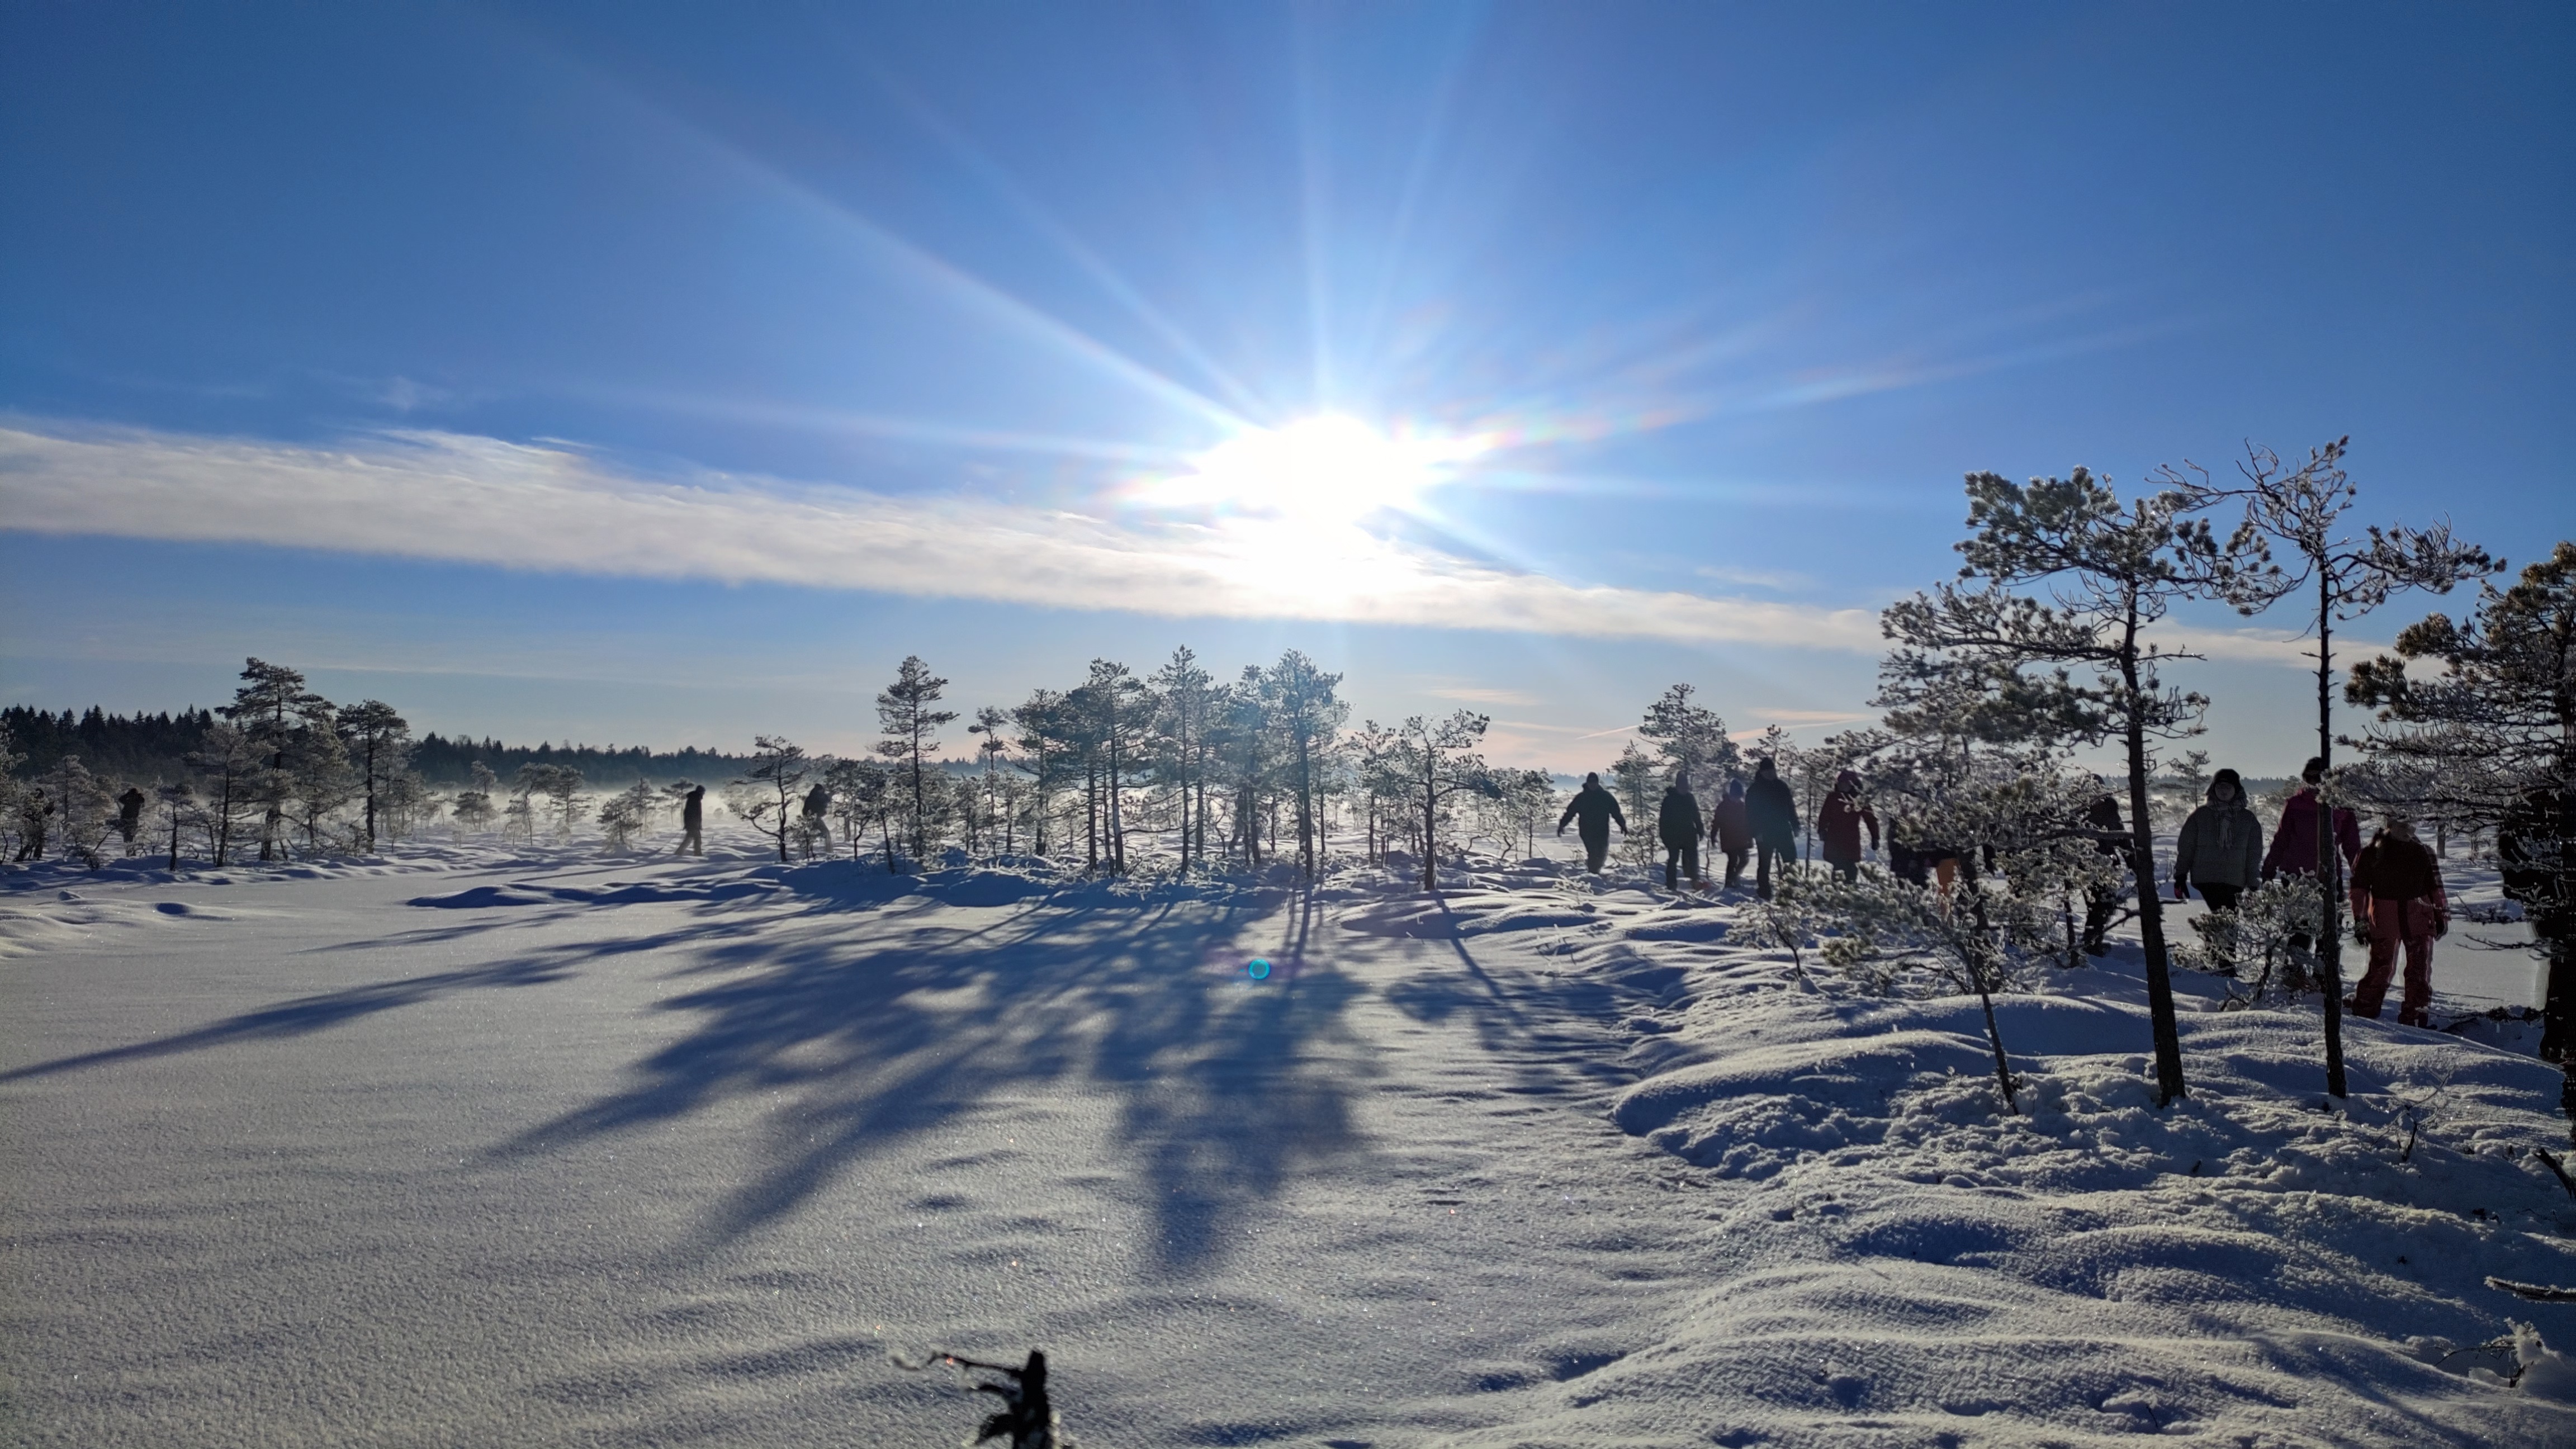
(1259,969)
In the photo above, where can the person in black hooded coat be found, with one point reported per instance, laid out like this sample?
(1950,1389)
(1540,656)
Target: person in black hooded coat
(1679,825)
(1774,813)
(1595,808)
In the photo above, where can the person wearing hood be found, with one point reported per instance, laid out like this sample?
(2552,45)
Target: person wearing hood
(2294,840)
(1838,826)
(693,819)
(1678,823)
(1773,813)
(2221,846)
(1595,809)
(1731,831)
(2397,898)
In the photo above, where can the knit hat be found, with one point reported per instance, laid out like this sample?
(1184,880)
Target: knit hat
(2228,778)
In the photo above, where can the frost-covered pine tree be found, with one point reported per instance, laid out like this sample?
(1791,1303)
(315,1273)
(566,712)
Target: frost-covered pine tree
(231,769)
(771,793)
(910,724)
(2493,734)
(1308,713)
(2110,570)
(379,743)
(628,814)
(278,715)
(2303,507)
(559,784)
(1691,738)
(82,808)
(1438,760)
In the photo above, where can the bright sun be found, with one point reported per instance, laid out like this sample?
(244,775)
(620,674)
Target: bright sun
(1324,469)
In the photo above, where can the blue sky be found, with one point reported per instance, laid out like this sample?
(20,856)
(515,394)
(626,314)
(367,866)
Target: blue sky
(662,375)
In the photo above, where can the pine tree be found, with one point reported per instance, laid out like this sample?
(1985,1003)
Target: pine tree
(380,740)
(767,796)
(2112,570)
(2494,735)
(1308,715)
(2303,507)
(1692,740)
(1438,760)
(277,714)
(910,724)
(231,766)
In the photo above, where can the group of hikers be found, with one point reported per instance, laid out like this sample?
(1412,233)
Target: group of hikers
(2398,900)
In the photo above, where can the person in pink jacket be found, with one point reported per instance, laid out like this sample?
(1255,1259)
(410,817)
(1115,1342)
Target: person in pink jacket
(2397,898)
(1838,826)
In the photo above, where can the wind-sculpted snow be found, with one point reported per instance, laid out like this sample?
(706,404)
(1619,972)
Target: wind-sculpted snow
(551,1148)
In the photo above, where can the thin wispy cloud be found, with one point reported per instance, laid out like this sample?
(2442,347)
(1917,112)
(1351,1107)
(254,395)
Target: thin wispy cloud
(467,499)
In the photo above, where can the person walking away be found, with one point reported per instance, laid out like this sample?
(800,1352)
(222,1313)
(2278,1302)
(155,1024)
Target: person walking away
(1679,824)
(1594,809)
(2294,840)
(2102,902)
(129,815)
(816,829)
(1838,825)
(1773,813)
(693,815)
(2220,850)
(2397,897)
(1731,831)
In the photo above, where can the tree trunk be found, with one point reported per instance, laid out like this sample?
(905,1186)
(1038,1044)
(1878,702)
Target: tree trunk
(2142,866)
(2329,859)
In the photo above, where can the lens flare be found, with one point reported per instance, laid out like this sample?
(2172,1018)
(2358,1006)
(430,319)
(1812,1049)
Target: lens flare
(1259,970)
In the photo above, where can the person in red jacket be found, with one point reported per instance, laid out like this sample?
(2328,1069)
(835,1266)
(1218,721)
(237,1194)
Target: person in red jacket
(1838,826)
(2397,897)
(1730,829)
(2294,840)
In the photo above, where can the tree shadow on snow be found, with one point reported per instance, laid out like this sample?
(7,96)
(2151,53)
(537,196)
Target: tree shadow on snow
(1224,1083)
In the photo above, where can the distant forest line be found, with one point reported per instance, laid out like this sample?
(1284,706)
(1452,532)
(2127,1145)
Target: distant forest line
(145,748)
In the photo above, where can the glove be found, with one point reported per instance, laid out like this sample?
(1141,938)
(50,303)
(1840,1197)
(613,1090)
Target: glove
(2182,889)
(2441,924)
(1560,832)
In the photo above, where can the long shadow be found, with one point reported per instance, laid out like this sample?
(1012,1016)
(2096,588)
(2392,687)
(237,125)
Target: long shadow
(879,1038)
(305,1015)
(1520,1024)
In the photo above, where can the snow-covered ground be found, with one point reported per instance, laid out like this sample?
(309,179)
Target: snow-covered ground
(458,1146)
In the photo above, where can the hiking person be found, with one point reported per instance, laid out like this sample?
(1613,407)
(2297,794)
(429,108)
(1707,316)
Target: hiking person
(1838,824)
(2397,898)
(2220,850)
(693,815)
(2294,840)
(129,815)
(2101,902)
(1679,824)
(1595,809)
(1732,832)
(815,828)
(1773,813)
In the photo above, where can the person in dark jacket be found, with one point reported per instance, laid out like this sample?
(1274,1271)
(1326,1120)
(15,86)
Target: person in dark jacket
(2397,898)
(129,815)
(1678,823)
(2101,903)
(2221,846)
(1838,825)
(1731,831)
(1773,812)
(693,816)
(2220,850)
(1594,809)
